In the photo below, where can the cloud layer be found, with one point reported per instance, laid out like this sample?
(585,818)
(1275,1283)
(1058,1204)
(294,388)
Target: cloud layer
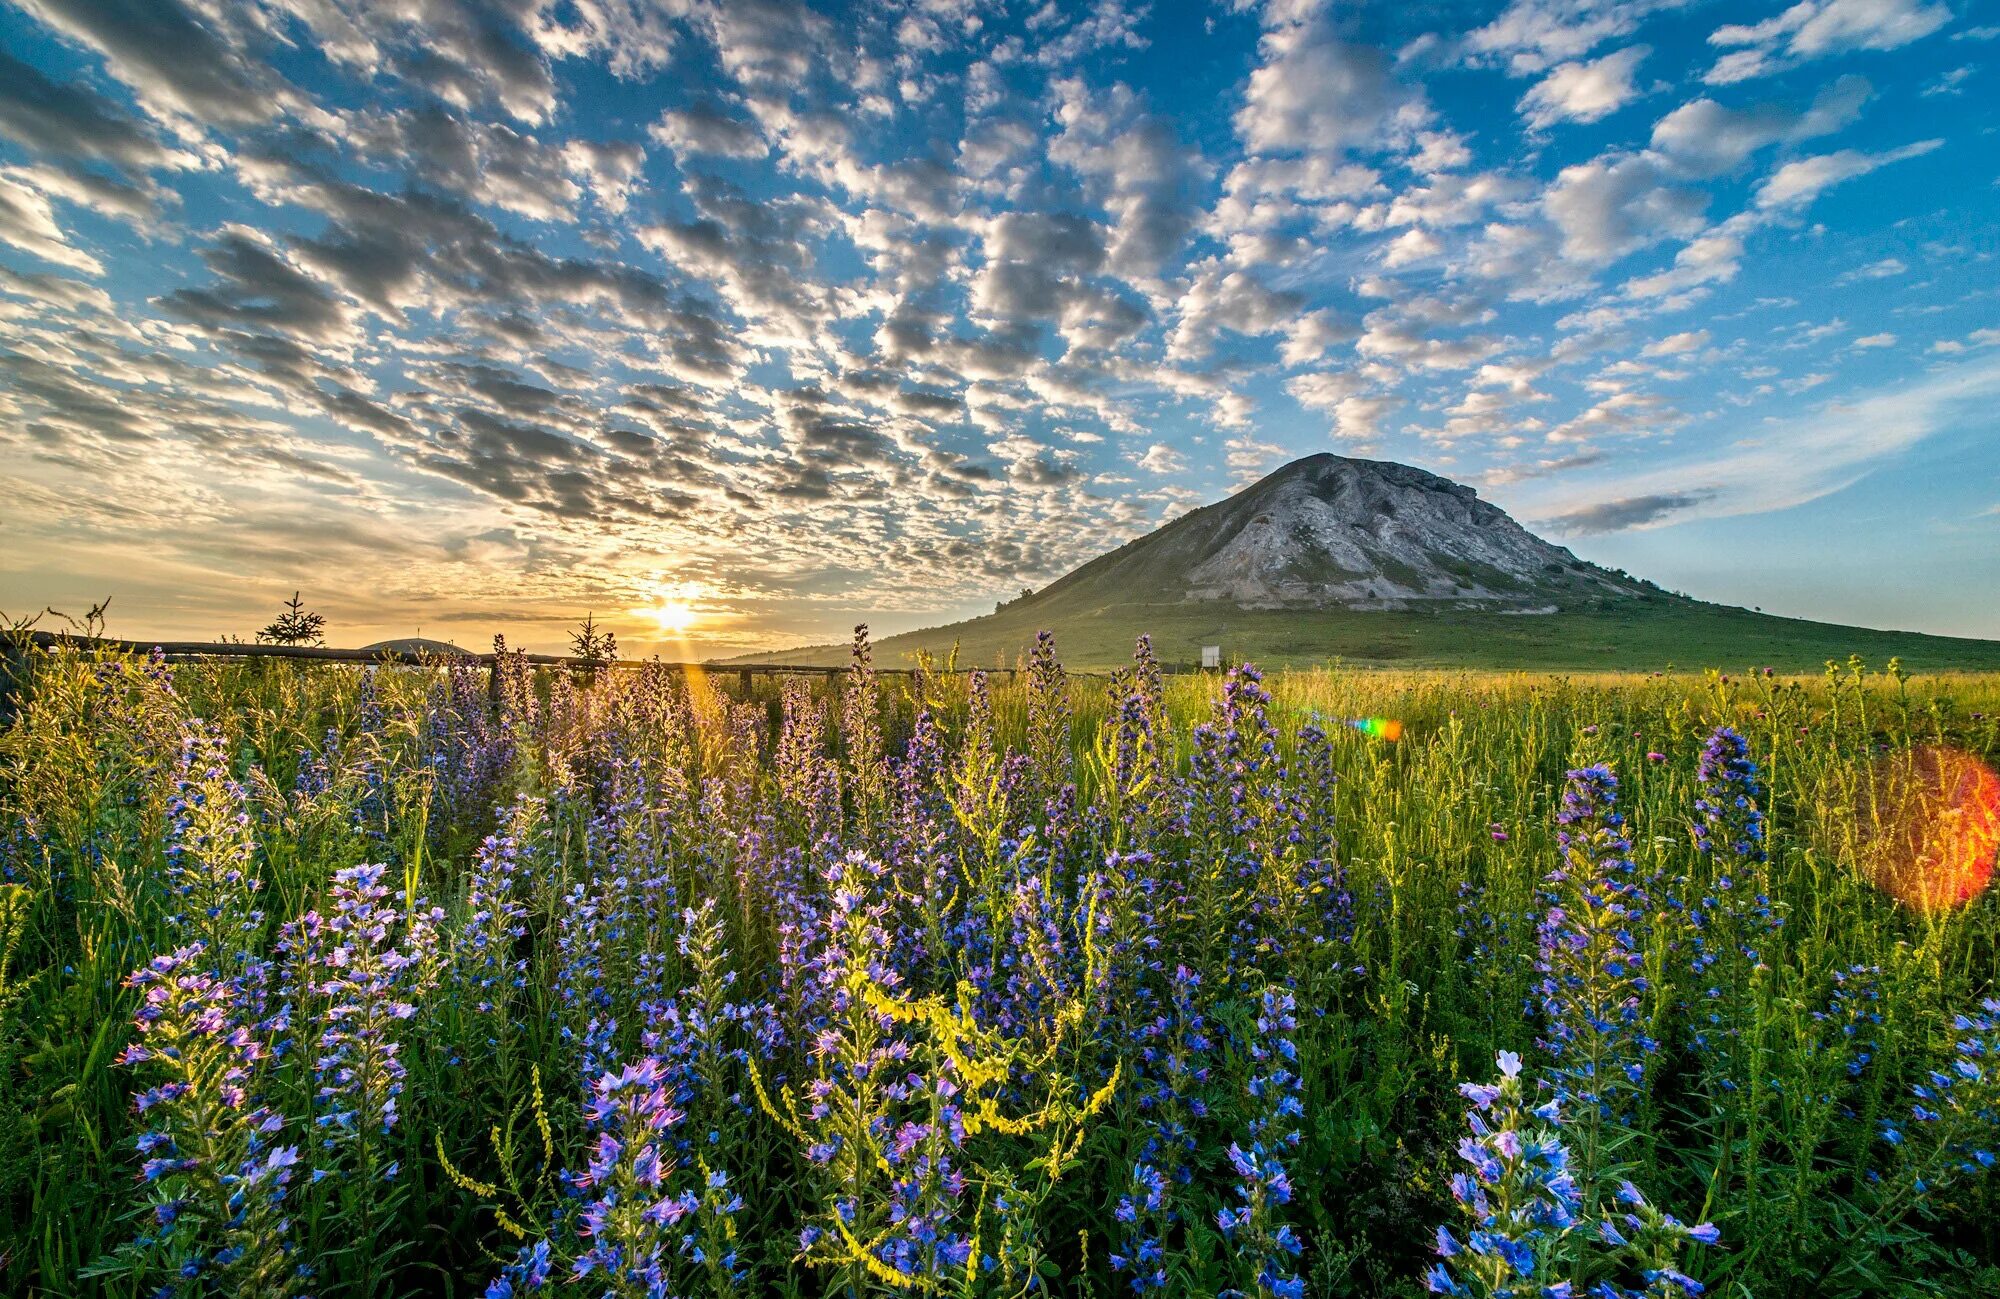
(467,312)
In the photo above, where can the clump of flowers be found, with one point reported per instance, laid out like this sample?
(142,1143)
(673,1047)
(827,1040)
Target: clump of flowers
(496,915)
(1531,1232)
(373,967)
(1267,1243)
(1954,1117)
(1733,920)
(212,1157)
(211,853)
(1589,959)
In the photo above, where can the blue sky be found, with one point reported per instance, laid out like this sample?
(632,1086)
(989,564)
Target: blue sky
(465,317)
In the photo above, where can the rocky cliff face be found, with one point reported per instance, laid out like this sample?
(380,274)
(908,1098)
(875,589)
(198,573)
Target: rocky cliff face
(1330,531)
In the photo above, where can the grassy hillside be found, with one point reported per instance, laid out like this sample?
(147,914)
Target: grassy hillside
(1631,636)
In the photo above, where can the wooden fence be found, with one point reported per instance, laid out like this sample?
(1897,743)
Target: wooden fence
(13,646)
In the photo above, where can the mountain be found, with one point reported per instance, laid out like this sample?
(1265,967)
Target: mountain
(1334,532)
(1333,557)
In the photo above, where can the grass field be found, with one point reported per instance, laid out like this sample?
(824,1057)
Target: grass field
(324,981)
(1634,635)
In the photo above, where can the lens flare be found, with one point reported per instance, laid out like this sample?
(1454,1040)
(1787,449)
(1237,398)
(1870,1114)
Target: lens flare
(1934,831)
(1382,728)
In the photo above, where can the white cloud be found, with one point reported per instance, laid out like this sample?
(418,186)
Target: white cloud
(1162,459)
(1413,245)
(1676,344)
(1316,92)
(1711,259)
(1874,340)
(1816,28)
(1800,459)
(1704,138)
(1797,184)
(1583,92)
(1887,268)
(28,222)
(1534,35)
(708,130)
(1616,205)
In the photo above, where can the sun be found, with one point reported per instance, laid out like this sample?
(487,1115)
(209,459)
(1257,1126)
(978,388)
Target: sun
(674,616)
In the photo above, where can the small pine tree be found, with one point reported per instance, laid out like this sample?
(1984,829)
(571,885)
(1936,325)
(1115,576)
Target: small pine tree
(593,648)
(297,625)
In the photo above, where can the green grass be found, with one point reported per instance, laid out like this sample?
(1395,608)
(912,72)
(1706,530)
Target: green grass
(1642,636)
(1441,841)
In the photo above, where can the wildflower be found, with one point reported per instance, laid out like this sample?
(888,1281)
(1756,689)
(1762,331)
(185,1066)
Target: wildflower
(1531,1229)
(1954,1125)
(211,854)
(219,1178)
(1589,958)
(1267,1245)
(369,972)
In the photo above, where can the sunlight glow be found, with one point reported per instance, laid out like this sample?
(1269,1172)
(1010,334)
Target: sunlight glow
(674,616)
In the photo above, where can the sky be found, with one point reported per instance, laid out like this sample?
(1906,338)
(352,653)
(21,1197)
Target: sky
(471,317)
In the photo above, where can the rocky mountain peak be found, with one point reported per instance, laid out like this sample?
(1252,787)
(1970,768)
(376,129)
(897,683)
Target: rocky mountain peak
(1337,531)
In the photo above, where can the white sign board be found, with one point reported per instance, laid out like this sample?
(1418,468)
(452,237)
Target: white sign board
(1211,656)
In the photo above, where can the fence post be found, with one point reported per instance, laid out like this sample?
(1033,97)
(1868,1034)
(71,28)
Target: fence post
(13,676)
(743,680)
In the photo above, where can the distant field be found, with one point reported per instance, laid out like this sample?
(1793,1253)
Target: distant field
(1641,637)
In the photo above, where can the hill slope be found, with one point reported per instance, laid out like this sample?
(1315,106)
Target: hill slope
(1374,562)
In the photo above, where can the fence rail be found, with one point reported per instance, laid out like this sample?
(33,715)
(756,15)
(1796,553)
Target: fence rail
(195,650)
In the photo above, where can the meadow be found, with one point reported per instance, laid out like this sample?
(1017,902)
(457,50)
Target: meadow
(321,980)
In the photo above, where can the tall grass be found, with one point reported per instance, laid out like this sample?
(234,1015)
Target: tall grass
(340,982)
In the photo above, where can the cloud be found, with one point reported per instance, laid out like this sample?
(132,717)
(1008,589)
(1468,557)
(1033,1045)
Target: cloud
(1817,28)
(1616,205)
(1797,184)
(1162,459)
(706,130)
(1805,457)
(1703,138)
(29,224)
(1534,35)
(1138,169)
(1217,299)
(470,55)
(1316,92)
(176,65)
(1867,341)
(1677,344)
(1357,416)
(1624,514)
(72,121)
(1583,92)
(1711,259)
